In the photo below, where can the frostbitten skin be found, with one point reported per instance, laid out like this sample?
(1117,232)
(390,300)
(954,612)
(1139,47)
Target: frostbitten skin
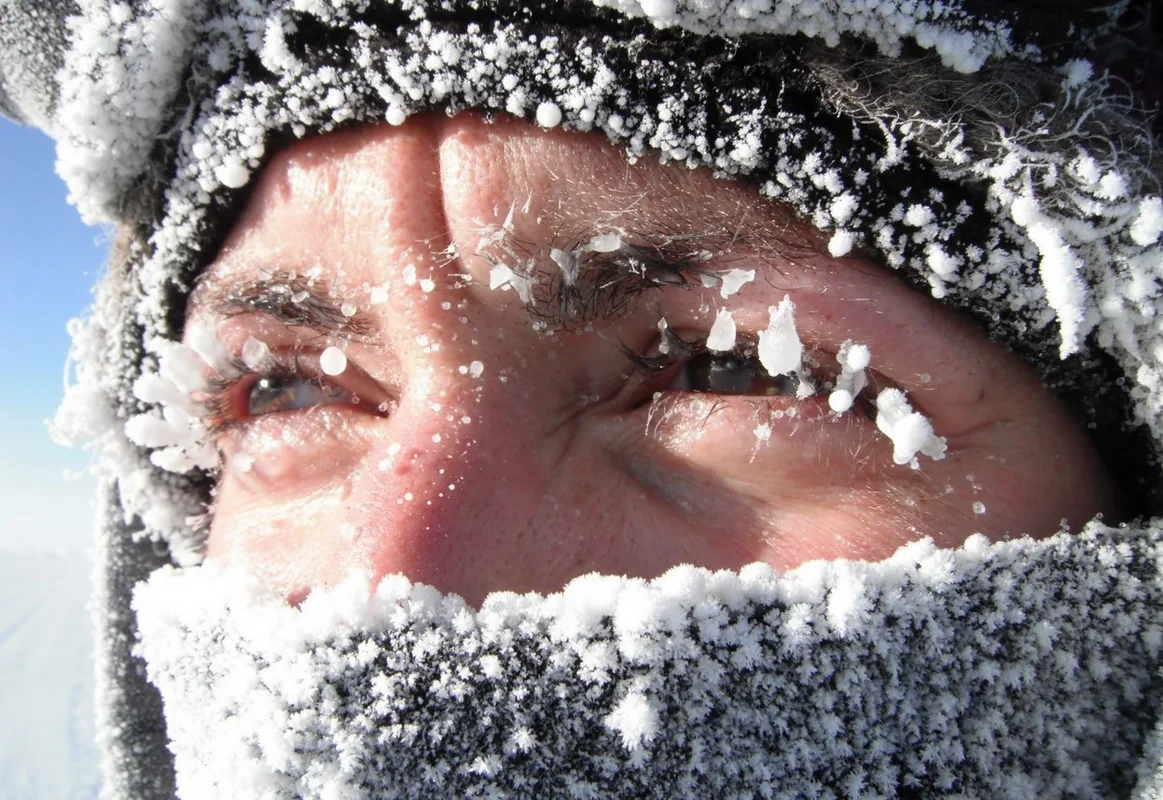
(478,443)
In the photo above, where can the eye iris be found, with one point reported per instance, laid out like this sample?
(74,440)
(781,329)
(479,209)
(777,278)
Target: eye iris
(729,373)
(273,394)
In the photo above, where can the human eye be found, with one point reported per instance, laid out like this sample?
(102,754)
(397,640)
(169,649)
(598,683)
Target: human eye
(293,418)
(284,382)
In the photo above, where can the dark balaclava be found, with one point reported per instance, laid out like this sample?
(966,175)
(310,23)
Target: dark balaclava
(1027,668)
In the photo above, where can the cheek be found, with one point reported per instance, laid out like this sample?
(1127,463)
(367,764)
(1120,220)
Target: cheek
(288,549)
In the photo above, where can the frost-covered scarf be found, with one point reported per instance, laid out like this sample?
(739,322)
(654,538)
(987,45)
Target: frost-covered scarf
(980,148)
(1010,670)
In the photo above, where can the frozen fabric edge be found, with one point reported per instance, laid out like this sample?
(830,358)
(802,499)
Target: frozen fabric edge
(412,694)
(962,42)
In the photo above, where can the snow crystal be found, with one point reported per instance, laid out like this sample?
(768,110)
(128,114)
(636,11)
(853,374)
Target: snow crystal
(910,431)
(333,361)
(841,243)
(1148,224)
(232,174)
(548,115)
(734,280)
(780,349)
(722,335)
(636,719)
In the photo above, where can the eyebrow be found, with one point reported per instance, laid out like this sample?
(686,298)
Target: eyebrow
(287,296)
(604,287)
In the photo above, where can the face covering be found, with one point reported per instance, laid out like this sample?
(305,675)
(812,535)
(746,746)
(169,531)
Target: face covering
(995,670)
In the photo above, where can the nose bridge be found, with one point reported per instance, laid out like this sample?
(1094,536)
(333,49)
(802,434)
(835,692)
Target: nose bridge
(451,491)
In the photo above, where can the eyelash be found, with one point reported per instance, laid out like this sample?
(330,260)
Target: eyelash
(222,396)
(684,352)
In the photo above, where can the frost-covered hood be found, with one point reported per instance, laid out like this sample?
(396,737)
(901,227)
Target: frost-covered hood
(1018,669)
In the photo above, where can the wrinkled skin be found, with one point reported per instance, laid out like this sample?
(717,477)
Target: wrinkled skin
(558,458)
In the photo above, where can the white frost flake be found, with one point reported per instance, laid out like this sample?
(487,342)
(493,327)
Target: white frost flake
(636,719)
(333,361)
(1148,224)
(734,280)
(780,348)
(548,115)
(722,335)
(910,431)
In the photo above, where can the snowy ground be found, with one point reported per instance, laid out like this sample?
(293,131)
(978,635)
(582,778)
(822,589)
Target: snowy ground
(46,726)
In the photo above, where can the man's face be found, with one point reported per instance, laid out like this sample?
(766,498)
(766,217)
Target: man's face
(496,423)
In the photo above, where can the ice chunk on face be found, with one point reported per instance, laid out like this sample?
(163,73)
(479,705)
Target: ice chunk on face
(722,335)
(734,280)
(910,431)
(500,275)
(255,354)
(605,243)
(548,115)
(333,361)
(780,348)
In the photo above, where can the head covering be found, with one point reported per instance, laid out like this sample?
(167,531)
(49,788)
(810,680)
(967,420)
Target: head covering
(996,154)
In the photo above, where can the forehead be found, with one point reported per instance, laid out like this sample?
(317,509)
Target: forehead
(430,190)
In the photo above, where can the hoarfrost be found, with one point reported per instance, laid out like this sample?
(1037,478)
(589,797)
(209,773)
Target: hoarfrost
(854,359)
(548,115)
(446,686)
(635,719)
(841,243)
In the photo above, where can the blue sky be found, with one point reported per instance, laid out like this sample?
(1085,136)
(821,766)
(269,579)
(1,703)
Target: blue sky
(49,262)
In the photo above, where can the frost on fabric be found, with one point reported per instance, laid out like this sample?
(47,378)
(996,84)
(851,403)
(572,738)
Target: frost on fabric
(962,43)
(620,687)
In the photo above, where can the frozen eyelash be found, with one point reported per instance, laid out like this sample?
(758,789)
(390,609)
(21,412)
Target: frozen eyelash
(219,396)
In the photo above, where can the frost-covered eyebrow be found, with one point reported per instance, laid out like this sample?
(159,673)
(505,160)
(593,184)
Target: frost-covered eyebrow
(572,284)
(288,297)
